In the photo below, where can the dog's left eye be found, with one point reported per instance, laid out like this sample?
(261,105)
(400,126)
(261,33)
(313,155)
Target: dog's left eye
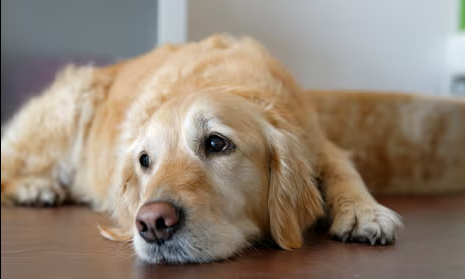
(144,161)
(215,143)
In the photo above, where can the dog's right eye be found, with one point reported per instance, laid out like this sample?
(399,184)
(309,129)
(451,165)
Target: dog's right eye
(144,161)
(216,144)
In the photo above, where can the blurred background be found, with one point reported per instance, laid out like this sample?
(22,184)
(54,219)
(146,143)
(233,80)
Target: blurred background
(414,46)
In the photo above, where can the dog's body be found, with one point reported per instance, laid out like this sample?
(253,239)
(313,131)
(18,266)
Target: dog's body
(147,131)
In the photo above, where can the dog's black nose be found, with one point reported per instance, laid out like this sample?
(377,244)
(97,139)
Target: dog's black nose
(157,221)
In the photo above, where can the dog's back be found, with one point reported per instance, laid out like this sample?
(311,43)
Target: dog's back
(401,144)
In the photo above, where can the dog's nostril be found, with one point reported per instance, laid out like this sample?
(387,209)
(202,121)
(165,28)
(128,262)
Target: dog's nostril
(160,224)
(141,226)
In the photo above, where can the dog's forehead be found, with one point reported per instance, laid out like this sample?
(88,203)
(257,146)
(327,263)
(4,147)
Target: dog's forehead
(223,112)
(183,122)
(188,118)
(194,110)
(222,107)
(205,113)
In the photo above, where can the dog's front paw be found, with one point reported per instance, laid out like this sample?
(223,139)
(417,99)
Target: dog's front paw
(34,191)
(374,224)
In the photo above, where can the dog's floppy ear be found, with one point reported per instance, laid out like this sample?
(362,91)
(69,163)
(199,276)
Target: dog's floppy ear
(125,198)
(118,225)
(294,202)
(114,233)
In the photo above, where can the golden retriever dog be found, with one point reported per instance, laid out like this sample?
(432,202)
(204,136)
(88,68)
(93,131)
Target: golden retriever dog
(196,150)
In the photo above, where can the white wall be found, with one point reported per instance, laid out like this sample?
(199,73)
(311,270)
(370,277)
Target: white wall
(397,45)
(172,17)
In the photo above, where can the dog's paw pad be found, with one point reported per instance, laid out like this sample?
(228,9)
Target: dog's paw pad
(33,192)
(366,224)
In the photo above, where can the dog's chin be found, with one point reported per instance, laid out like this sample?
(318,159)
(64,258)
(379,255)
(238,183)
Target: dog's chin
(192,244)
(178,250)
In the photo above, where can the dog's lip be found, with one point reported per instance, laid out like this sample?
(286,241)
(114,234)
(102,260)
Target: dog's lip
(160,243)
(173,241)
(168,253)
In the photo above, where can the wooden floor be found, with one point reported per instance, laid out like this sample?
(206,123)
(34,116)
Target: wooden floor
(64,243)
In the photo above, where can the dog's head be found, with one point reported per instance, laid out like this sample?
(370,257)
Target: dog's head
(212,159)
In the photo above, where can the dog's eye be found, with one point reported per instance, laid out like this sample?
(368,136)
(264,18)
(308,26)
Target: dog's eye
(144,161)
(215,143)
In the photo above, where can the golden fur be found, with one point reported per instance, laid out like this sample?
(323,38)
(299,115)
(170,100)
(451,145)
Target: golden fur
(80,140)
(401,144)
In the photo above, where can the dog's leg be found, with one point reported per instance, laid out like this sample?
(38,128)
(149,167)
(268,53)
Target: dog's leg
(40,146)
(355,214)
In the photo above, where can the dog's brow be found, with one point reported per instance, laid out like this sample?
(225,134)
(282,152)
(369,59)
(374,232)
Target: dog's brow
(201,122)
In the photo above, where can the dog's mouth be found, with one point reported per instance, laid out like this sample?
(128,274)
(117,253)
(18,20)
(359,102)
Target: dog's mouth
(168,252)
(177,250)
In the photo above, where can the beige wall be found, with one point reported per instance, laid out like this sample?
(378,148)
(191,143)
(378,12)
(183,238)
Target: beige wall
(344,44)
